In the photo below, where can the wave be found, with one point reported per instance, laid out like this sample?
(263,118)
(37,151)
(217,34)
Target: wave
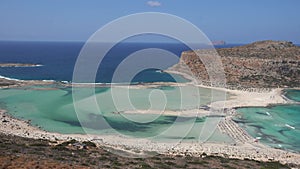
(20,80)
(99,83)
(48,80)
(8,78)
(70,82)
(16,65)
(289,126)
(82,83)
(65,82)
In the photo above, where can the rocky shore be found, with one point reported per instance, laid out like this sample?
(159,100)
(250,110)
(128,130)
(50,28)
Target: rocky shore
(11,83)
(20,152)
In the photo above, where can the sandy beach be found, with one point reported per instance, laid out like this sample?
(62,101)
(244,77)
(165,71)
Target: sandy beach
(243,149)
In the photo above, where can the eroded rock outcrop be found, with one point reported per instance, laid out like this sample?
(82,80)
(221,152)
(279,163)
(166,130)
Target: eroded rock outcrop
(260,64)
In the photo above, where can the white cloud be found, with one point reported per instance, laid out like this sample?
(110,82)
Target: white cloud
(153,3)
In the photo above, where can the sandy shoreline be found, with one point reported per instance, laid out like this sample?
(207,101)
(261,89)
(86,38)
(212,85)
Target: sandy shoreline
(244,147)
(241,150)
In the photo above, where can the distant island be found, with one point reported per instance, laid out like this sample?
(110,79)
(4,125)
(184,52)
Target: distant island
(19,65)
(219,42)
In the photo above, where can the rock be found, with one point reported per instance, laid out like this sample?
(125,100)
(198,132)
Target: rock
(89,143)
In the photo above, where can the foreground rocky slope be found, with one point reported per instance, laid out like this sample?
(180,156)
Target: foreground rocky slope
(260,64)
(19,152)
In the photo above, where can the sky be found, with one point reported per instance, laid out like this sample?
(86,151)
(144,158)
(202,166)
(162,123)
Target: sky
(234,21)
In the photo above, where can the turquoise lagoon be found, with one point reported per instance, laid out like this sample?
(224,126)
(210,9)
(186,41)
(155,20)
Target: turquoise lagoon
(52,109)
(293,95)
(277,126)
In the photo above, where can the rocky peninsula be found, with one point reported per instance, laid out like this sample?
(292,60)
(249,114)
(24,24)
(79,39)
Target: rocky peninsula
(263,64)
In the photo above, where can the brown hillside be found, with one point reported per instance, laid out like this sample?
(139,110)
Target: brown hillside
(260,64)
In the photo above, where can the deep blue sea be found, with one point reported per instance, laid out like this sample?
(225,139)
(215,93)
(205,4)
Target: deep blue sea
(58,60)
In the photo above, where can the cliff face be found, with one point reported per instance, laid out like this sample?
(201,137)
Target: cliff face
(260,64)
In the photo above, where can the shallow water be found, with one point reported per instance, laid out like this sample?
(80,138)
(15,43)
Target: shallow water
(278,126)
(53,110)
(293,95)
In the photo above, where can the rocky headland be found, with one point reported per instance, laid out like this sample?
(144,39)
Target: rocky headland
(262,64)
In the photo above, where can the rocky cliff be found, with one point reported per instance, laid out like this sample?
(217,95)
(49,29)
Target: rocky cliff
(260,64)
